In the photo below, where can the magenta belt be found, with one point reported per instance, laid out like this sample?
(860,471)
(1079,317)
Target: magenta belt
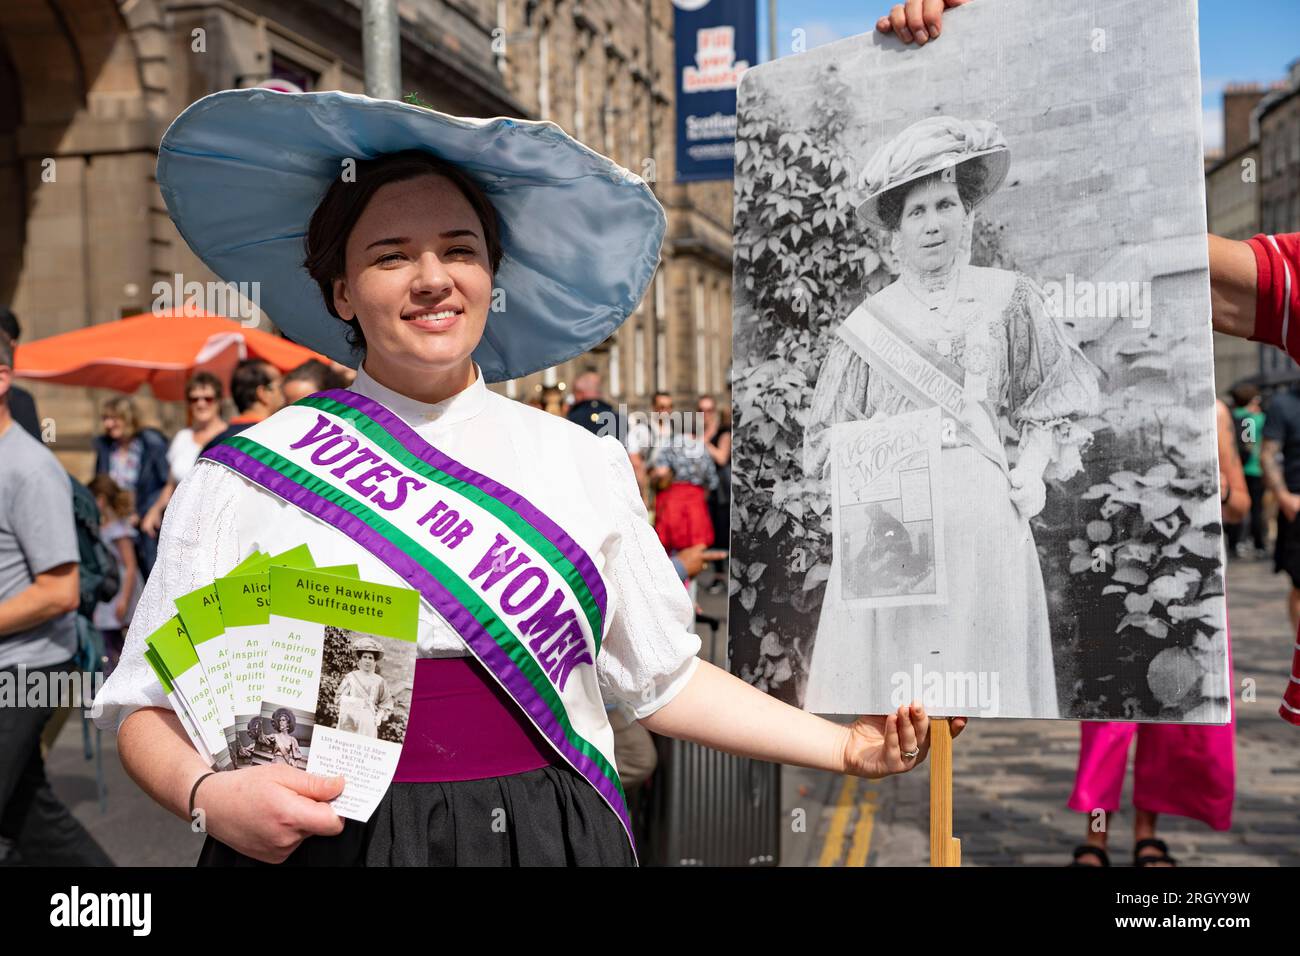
(464,726)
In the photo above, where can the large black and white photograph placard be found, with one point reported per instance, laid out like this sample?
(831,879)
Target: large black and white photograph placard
(974,445)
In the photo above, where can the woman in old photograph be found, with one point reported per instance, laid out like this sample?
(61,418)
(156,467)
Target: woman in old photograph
(363,699)
(281,741)
(1018,375)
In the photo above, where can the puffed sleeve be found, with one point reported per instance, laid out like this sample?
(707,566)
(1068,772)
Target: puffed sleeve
(1052,382)
(649,651)
(197,543)
(840,396)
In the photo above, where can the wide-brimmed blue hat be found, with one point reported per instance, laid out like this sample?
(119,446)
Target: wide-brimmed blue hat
(242,171)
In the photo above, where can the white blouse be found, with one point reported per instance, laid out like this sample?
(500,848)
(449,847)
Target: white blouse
(183,454)
(583,482)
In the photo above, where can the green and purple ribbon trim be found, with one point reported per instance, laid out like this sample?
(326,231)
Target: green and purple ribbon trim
(464,609)
(388,431)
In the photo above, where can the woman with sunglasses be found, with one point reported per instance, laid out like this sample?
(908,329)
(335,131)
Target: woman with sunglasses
(203,394)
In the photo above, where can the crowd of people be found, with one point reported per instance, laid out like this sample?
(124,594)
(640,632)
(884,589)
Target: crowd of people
(74,557)
(1265,435)
(682,462)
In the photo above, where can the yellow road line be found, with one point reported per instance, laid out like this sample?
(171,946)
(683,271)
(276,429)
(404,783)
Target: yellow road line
(862,831)
(834,844)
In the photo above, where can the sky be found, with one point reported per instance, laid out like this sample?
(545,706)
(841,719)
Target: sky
(1235,48)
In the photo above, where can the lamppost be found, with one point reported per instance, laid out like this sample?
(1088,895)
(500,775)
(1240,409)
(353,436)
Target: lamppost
(381,48)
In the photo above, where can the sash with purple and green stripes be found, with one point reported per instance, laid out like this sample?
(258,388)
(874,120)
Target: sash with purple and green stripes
(525,598)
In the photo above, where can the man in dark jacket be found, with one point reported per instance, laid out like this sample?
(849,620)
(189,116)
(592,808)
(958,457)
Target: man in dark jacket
(590,410)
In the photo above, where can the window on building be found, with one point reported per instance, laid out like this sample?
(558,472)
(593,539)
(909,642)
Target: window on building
(544,69)
(662,381)
(607,117)
(720,328)
(287,70)
(662,378)
(579,96)
(701,342)
(501,32)
(638,359)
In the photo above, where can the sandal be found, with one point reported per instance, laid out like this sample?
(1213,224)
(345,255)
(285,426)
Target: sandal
(1084,849)
(1160,845)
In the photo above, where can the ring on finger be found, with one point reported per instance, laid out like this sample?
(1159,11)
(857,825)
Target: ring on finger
(911,754)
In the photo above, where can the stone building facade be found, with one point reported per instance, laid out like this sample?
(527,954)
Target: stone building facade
(1277,120)
(87,87)
(1255,188)
(603,71)
(1232,206)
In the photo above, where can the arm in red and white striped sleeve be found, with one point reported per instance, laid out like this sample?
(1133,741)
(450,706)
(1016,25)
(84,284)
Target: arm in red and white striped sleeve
(1277,297)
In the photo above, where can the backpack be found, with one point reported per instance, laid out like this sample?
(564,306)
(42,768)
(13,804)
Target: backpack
(101,578)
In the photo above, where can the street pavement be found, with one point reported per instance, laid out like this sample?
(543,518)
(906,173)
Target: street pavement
(1011,781)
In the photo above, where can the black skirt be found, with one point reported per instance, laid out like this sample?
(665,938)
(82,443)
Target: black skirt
(545,817)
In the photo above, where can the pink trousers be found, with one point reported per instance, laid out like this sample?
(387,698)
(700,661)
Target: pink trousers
(1189,771)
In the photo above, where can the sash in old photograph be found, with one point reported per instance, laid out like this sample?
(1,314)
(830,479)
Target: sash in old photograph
(918,371)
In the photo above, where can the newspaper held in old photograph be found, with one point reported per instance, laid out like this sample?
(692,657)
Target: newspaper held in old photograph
(887,528)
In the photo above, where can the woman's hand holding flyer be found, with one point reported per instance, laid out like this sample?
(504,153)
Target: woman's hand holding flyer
(280,666)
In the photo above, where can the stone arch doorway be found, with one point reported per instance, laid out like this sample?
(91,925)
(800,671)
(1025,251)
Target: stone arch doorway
(81,103)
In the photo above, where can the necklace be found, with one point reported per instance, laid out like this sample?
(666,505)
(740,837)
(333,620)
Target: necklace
(939,302)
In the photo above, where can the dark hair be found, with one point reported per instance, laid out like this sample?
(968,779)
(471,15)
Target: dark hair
(315,372)
(970,175)
(250,375)
(6,349)
(344,202)
(205,380)
(9,324)
(1243,395)
(667,395)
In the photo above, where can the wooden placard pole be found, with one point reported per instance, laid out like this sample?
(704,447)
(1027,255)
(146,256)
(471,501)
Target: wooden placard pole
(945,850)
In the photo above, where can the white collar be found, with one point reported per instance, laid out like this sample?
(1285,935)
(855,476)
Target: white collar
(463,405)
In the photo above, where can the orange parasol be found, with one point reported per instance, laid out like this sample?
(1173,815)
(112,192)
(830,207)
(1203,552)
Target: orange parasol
(162,350)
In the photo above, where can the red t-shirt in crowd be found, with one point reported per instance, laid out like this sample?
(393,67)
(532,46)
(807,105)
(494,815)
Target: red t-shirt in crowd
(1277,322)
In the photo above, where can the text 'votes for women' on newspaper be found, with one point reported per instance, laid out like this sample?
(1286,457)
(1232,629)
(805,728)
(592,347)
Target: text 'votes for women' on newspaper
(886,526)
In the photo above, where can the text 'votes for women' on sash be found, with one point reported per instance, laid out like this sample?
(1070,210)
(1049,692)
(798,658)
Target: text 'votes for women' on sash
(526,599)
(924,376)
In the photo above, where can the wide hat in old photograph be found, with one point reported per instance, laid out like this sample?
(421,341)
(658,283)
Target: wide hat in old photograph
(363,644)
(242,171)
(929,146)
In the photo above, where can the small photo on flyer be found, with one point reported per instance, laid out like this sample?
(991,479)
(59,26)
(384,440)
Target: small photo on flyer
(366,683)
(247,730)
(282,735)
